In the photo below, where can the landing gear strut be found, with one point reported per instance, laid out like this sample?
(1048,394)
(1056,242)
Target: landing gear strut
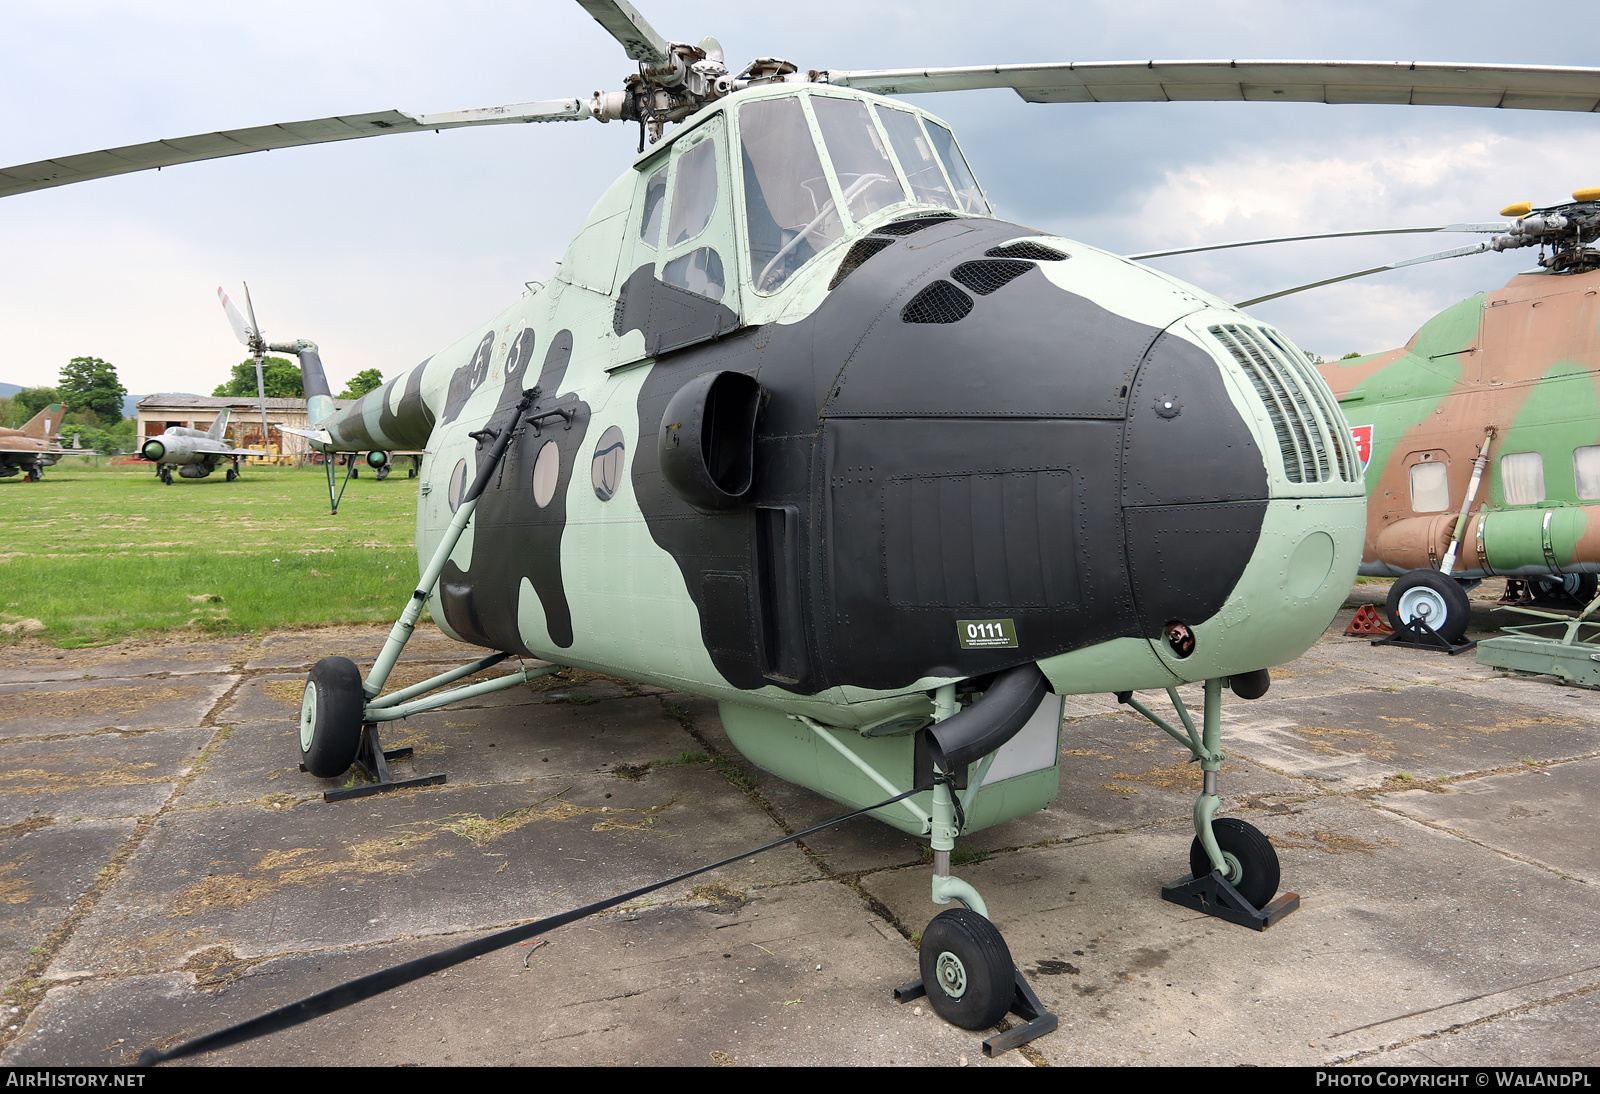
(1233,870)
(967,971)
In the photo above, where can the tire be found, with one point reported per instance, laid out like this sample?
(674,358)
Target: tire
(1439,600)
(383,472)
(166,475)
(967,969)
(1250,848)
(1566,591)
(35,474)
(232,474)
(330,717)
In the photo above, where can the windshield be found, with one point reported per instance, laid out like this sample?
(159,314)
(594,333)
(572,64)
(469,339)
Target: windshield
(916,157)
(860,160)
(969,196)
(789,211)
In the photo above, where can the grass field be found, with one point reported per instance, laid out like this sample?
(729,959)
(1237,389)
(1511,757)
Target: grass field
(96,553)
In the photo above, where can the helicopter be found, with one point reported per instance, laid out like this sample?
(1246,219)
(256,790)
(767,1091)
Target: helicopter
(801,426)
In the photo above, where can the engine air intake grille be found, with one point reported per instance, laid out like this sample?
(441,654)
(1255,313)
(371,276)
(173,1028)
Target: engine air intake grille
(986,275)
(940,302)
(859,252)
(1311,432)
(1026,249)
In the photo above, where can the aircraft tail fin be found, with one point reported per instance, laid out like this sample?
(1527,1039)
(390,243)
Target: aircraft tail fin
(219,428)
(45,424)
(319,399)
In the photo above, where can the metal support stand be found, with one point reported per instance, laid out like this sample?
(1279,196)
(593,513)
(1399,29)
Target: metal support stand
(1214,895)
(1036,1021)
(1417,635)
(373,759)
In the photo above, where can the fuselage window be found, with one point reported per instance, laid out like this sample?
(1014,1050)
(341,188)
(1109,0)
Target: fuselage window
(969,196)
(860,161)
(789,209)
(546,473)
(654,191)
(916,157)
(606,472)
(1522,478)
(694,193)
(1430,488)
(699,271)
(458,485)
(1586,470)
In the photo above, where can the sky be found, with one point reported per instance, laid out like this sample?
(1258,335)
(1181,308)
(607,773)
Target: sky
(385,250)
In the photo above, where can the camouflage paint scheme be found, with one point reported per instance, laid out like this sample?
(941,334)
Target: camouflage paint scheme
(1523,360)
(1049,391)
(32,448)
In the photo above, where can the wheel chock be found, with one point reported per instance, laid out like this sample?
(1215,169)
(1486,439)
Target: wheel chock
(1036,1021)
(373,759)
(1214,895)
(1418,635)
(1367,621)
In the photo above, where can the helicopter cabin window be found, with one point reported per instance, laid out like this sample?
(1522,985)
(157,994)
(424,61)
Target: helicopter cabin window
(860,161)
(1522,478)
(1586,471)
(698,219)
(789,211)
(1430,488)
(916,157)
(969,195)
(655,192)
(694,193)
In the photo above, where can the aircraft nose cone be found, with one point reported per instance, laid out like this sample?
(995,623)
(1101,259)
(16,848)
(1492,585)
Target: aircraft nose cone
(153,450)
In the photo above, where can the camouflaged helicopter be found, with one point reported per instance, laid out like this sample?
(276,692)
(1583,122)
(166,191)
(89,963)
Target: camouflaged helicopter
(1503,380)
(801,426)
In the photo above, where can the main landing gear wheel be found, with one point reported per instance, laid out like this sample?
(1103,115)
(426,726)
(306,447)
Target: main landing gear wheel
(1252,863)
(330,717)
(232,474)
(1435,599)
(35,474)
(166,475)
(1566,591)
(967,969)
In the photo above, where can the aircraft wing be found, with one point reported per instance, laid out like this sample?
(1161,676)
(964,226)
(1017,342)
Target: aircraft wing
(1411,83)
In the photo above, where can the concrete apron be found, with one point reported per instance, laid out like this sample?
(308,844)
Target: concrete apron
(166,871)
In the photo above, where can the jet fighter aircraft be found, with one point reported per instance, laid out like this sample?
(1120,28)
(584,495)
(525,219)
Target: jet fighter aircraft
(32,448)
(194,452)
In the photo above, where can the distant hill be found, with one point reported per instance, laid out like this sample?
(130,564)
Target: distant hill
(8,390)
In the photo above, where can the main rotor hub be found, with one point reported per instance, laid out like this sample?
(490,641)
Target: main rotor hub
(1569,230)
(674,89)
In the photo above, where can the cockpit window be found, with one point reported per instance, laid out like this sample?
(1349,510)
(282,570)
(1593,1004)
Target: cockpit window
(789,211)
(860,161)
(654,191)
(916,157)
(969,197)
(694,192)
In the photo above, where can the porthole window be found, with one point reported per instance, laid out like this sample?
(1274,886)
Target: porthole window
(458,485)
(1522,478)
(608,459)
(1430,487)
(546,473)
(1586,471)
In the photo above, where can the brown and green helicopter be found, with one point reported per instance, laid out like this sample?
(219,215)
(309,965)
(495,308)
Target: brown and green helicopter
(801,426)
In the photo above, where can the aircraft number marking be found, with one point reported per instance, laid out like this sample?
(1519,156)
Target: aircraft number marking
(986,634)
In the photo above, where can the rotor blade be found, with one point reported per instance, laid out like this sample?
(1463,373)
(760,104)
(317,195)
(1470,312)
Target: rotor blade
(1413,83)
(624,23)
(251,310)
(1476,248)
(232,142)
(1498,227)
(240,328)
